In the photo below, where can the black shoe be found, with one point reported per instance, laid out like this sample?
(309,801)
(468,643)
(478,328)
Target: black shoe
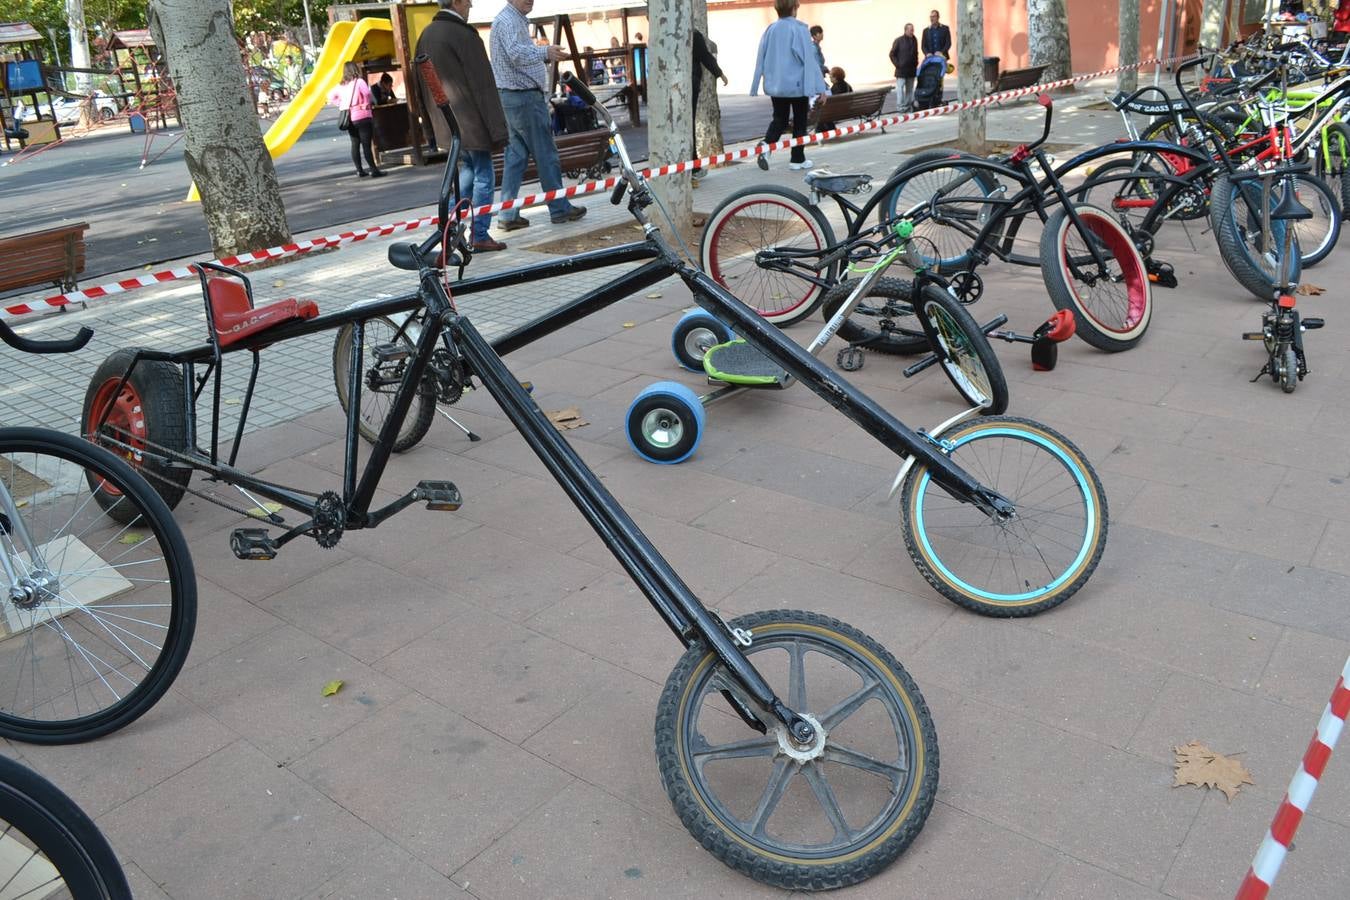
(362,173)
(763,162)
(513,224)
(576,212)
(376,173)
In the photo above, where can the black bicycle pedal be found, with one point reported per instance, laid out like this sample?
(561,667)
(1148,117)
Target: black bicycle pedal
(1311,323)
(850,359)
(252,543)
(391,352)
(442,496)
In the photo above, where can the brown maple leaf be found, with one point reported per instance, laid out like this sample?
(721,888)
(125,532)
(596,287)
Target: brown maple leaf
(567,419)
(1310,290)
(1198,765)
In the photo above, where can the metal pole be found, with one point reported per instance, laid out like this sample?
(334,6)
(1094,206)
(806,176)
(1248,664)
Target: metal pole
(1162,31)
(309,27)
(56,48)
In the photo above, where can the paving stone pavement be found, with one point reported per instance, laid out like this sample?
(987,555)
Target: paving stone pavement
(494,737)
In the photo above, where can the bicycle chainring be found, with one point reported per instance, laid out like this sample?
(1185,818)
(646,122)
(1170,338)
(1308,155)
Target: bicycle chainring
(330,519)
(450,377)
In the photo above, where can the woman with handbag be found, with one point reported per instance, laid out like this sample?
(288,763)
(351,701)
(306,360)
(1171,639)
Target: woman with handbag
(352,96)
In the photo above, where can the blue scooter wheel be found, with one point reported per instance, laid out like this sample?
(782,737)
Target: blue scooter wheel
(665,423)
(696,333)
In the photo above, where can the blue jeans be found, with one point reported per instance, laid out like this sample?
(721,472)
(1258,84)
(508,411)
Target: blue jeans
(530,134)
(476,180)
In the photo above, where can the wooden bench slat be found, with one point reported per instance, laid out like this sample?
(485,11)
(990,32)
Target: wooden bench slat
(1012,79)
(863,104)
(579,151)
(50,256)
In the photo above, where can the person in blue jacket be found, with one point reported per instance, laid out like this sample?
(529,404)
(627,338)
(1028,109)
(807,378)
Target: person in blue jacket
(792,78)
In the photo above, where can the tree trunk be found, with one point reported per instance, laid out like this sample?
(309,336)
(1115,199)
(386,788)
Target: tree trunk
(223,145)
(970,74)
(708,117)
(79,43)
(670,119)
(1128,80)
(1211,24)
(1048,37)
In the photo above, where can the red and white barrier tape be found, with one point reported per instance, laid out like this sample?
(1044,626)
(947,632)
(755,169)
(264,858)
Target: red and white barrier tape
(1280,838)
(578,190)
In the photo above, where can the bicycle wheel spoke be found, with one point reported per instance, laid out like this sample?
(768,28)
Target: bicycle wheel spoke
(783,771)
(832,718)
(894,772)
(828,802)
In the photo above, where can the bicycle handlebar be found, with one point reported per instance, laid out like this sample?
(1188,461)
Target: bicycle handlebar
(573,84)
(28,345)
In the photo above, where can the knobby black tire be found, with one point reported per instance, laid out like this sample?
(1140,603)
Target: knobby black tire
(158,386)
(883,321)
(1117,319)
(1246,262)
(126,632)
(893,831)
(1334,164)
(420,415)
(1040,474)
(781,297)
(36,816)
(967,358)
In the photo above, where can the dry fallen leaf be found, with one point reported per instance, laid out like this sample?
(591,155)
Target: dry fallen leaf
(265,510)
(629,324)
(131,537)
(332,687)
(1198,765)
(1310,290)
(567,419)
(654,296)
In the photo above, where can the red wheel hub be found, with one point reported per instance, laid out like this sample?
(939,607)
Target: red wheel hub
(125,419)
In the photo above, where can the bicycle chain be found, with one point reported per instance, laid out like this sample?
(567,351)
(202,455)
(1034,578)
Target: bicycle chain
(170,455)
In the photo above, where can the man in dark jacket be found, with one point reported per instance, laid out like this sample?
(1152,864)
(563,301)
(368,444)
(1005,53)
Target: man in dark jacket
(937,38)
(905,58)
(462,63)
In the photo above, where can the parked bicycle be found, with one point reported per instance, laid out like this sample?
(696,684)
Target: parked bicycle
(49,847)
(100,598)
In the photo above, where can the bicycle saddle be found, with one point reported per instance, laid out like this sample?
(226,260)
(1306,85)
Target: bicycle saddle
(234,317)
(827,182)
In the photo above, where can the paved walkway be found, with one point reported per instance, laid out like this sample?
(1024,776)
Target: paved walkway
(494,737)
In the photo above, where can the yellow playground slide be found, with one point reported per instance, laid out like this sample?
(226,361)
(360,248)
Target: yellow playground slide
(369,38)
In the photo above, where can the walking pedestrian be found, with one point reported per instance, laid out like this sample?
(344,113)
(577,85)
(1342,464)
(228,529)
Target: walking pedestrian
(456,51)
(522,85)
(788,65)
(937,38)
(353,96)
(905,58)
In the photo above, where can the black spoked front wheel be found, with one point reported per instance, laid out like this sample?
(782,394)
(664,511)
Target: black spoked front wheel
(99,615)
(50,846)
(803,818)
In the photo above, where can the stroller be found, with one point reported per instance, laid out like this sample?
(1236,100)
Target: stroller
(928,81)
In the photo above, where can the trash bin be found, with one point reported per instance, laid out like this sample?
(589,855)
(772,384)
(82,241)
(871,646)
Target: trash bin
(137,123)
(991,69)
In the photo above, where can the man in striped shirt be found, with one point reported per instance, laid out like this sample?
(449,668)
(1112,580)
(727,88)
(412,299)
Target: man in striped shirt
(522,81)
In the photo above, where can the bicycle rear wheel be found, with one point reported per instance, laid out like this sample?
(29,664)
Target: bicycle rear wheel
(761,218)
(380,380)
(950,200)
(98,621)
(51,848)
(1112,306)
(1027,564)
(1237,221)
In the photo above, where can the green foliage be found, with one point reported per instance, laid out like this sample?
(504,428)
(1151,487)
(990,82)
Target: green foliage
(273,15)
(102,17)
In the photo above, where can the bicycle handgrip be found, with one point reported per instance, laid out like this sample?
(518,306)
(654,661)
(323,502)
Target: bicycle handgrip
(28,345)
(573,84)
(617,197)
(427,70)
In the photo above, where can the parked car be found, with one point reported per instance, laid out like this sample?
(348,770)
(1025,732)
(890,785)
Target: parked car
(68,109)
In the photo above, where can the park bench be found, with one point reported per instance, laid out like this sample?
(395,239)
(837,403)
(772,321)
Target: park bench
(51,256)
(864,104)
(1012,79)
(583,155)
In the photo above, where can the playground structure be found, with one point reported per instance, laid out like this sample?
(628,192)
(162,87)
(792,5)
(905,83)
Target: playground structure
(382,37)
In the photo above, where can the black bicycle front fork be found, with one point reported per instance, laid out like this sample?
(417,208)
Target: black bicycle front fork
(672,598)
